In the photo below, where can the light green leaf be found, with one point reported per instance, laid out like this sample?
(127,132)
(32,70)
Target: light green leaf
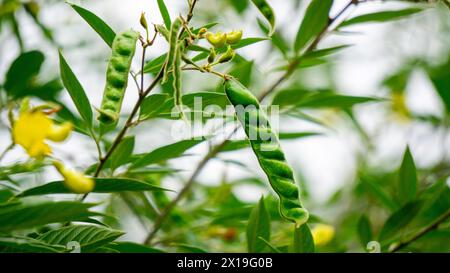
(89,237)
(164,13)
(105,31)
(382,16)
(155,65)
(407,182)
(258,227)
(75,90)
(303,240)
(267,11)
(102,185)
(165,153)
(314,22)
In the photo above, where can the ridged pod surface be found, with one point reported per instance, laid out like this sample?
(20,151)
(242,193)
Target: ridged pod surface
(265,145)
(123,49)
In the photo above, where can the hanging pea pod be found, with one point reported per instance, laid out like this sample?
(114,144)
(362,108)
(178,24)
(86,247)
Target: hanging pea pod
(123,49)
(177,77)
(267,149)
(173,41)
(163,31)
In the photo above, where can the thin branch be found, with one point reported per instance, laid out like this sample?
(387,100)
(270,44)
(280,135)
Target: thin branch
(159,221)
(421,233)
(7,149)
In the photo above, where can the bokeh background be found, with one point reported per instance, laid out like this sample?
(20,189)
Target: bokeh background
(386,60)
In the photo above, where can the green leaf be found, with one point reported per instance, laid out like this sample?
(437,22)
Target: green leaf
(270,246)
(102,185)
(440,77)
(75,90)
(314,22)
(267,11)
(364,231)
(164,13)
(130,247)
(382,16)
(320,53)
(26,245)
(378,192)
(328,99)
(258,227)
(166,152)
(155,65)
(152,105)
(89,237)
(122,153)
(407,184)
(186,248)
(394,226)
(22,72)
(97,24)
(28,216)
(303,240)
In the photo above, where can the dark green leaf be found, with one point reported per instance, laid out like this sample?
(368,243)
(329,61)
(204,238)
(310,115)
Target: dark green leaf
(258,227)
(130,247)
(122,153)
(364,231)
(166,152)
(97,24)
(267,11)
(303,240)
(102,185)
(152,106)
(22,72)
(155,65)
(88,237)
(382,16)
(314,22)
(29,216)
(394,226)
(407,186)
(186,248)
(26,245)
(75,90)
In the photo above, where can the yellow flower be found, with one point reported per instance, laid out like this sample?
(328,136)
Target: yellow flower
(234,37)
(399,106)
(218,39)
(322,234)
(75,181)
(31,130)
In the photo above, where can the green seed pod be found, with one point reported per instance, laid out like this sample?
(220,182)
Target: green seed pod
(143,21)
(173,41)
(177,77)
(234,37)
(268,151)
(123,48)
(227,56)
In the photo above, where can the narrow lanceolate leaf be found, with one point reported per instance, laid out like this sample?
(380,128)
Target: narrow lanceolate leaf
(407,181)
(303,240)
(394,227)
(258,227)
(75,90)
(323,100)
(364,231)
(152,105)
(166,152)
(102,185)
(88,237)
(314,22)
(267,11)
(105,31)
(130,247)
(173,42)
(320,53)
(27,245)
(28,216)
(164,13)
(155,65)
(122,153)
(382,16)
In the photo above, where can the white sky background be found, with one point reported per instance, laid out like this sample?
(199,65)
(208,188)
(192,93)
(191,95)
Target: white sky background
(327,162)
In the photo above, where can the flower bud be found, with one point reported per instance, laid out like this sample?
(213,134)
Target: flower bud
(234,37)
(218,40)
(143,21)
(202,32)
(73,180)
(59,133)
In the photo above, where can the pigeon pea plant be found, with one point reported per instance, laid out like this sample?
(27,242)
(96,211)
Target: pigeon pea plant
(196,218)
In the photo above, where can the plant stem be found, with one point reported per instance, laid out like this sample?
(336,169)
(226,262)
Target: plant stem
(7,149)
(422,232)
(292,66)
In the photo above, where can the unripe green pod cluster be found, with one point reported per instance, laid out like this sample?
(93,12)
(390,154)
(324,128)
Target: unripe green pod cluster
(265,145)
(123,49)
